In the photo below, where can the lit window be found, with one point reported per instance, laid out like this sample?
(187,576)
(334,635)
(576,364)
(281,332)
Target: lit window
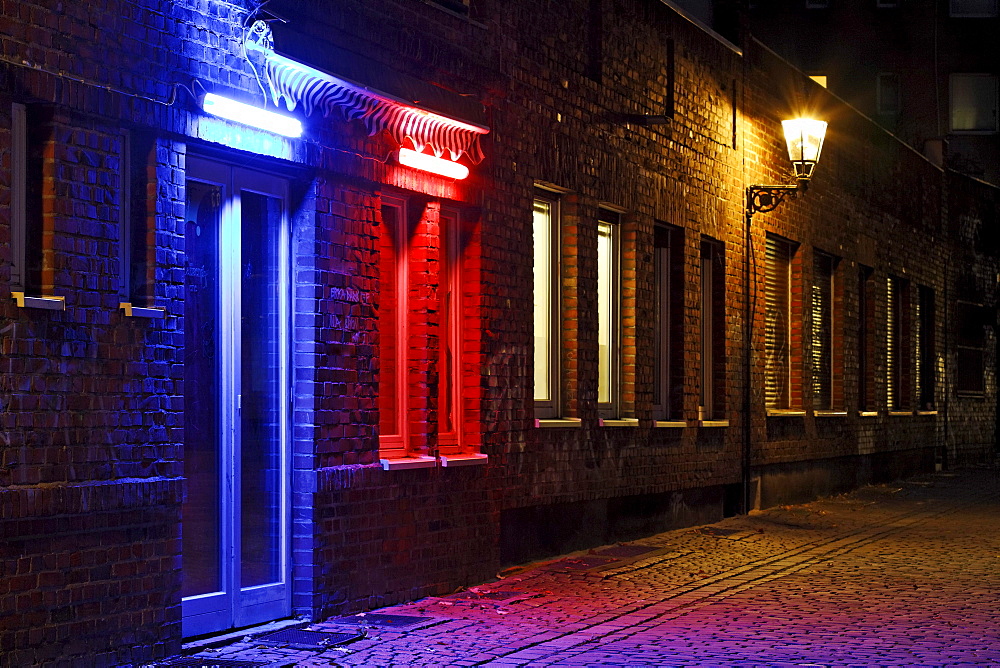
(823,339)
(897,343)
(546,306)
(973,103)
(668,333)
(713,331)
(973,8)
(451,337)
(392,330)
(608,313)
(887,94)
(778,322)
(926,355)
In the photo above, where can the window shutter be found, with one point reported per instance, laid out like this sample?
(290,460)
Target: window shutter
(778,257)
(821,350)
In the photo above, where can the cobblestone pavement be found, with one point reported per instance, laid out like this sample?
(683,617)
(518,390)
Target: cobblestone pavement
(899,574)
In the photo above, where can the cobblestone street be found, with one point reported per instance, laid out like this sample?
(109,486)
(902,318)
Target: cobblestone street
(899,574)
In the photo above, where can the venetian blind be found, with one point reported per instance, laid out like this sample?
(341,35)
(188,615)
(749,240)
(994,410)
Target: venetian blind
(777,283)
(821,353)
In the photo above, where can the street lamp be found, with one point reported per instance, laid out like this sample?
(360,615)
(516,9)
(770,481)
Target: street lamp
(804,138)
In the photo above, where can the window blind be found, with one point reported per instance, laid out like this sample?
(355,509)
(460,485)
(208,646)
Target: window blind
(777,302)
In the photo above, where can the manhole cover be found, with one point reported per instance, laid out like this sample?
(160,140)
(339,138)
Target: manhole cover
(719,531)
(382,621)
(211,662)
(625,551)
(302,639)
(581,563)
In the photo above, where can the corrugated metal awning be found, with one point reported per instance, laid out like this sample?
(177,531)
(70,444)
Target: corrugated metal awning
(299,84)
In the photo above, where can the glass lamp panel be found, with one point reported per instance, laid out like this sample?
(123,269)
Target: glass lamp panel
(804,138)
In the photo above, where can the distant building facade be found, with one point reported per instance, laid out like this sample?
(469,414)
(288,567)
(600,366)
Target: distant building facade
(250,374)
(926,71)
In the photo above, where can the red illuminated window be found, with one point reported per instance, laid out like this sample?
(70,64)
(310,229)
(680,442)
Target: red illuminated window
(392,319)
(427,331)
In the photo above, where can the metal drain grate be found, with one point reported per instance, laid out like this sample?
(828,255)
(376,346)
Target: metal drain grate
(302,639)
(625,551)
(210,662)
(382,621)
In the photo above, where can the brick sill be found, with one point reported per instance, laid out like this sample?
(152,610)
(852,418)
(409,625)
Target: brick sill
(463,460)
(868,413)
(781,412)
(927,412)
(49,303)
(559,423)
(670,424)
(831,414)
(623,422)
(713,423)
(404,463)
(901,413)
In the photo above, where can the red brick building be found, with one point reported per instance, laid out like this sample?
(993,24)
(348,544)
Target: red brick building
(249,375)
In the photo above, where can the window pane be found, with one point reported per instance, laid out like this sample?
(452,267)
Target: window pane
(543,298)
(260,388)
(887,94)
(605,310)
(388,321)
(777,389)
(202,466)
(973,102)
(822,332)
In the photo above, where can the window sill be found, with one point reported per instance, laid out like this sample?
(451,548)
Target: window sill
(901,413)
(408,463)
(927,412)
(829,414)
(670,424)
(142,311)
(783,412)
(559,423)
(623,422)
(450,461)
(50,303)
(713,423)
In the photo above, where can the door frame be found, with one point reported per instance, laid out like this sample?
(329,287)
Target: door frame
(234,606)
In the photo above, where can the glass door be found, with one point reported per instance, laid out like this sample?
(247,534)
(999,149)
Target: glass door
(235,516)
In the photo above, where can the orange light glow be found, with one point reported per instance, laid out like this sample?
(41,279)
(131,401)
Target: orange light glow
(429,163)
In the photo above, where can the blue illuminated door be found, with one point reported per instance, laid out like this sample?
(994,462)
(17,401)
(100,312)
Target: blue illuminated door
(235,516)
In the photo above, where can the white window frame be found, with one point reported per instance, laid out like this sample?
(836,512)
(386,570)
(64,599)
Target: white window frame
(609,298)
(548,406)
(955,76)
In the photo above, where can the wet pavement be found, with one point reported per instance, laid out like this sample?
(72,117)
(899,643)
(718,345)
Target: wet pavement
(899,574)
